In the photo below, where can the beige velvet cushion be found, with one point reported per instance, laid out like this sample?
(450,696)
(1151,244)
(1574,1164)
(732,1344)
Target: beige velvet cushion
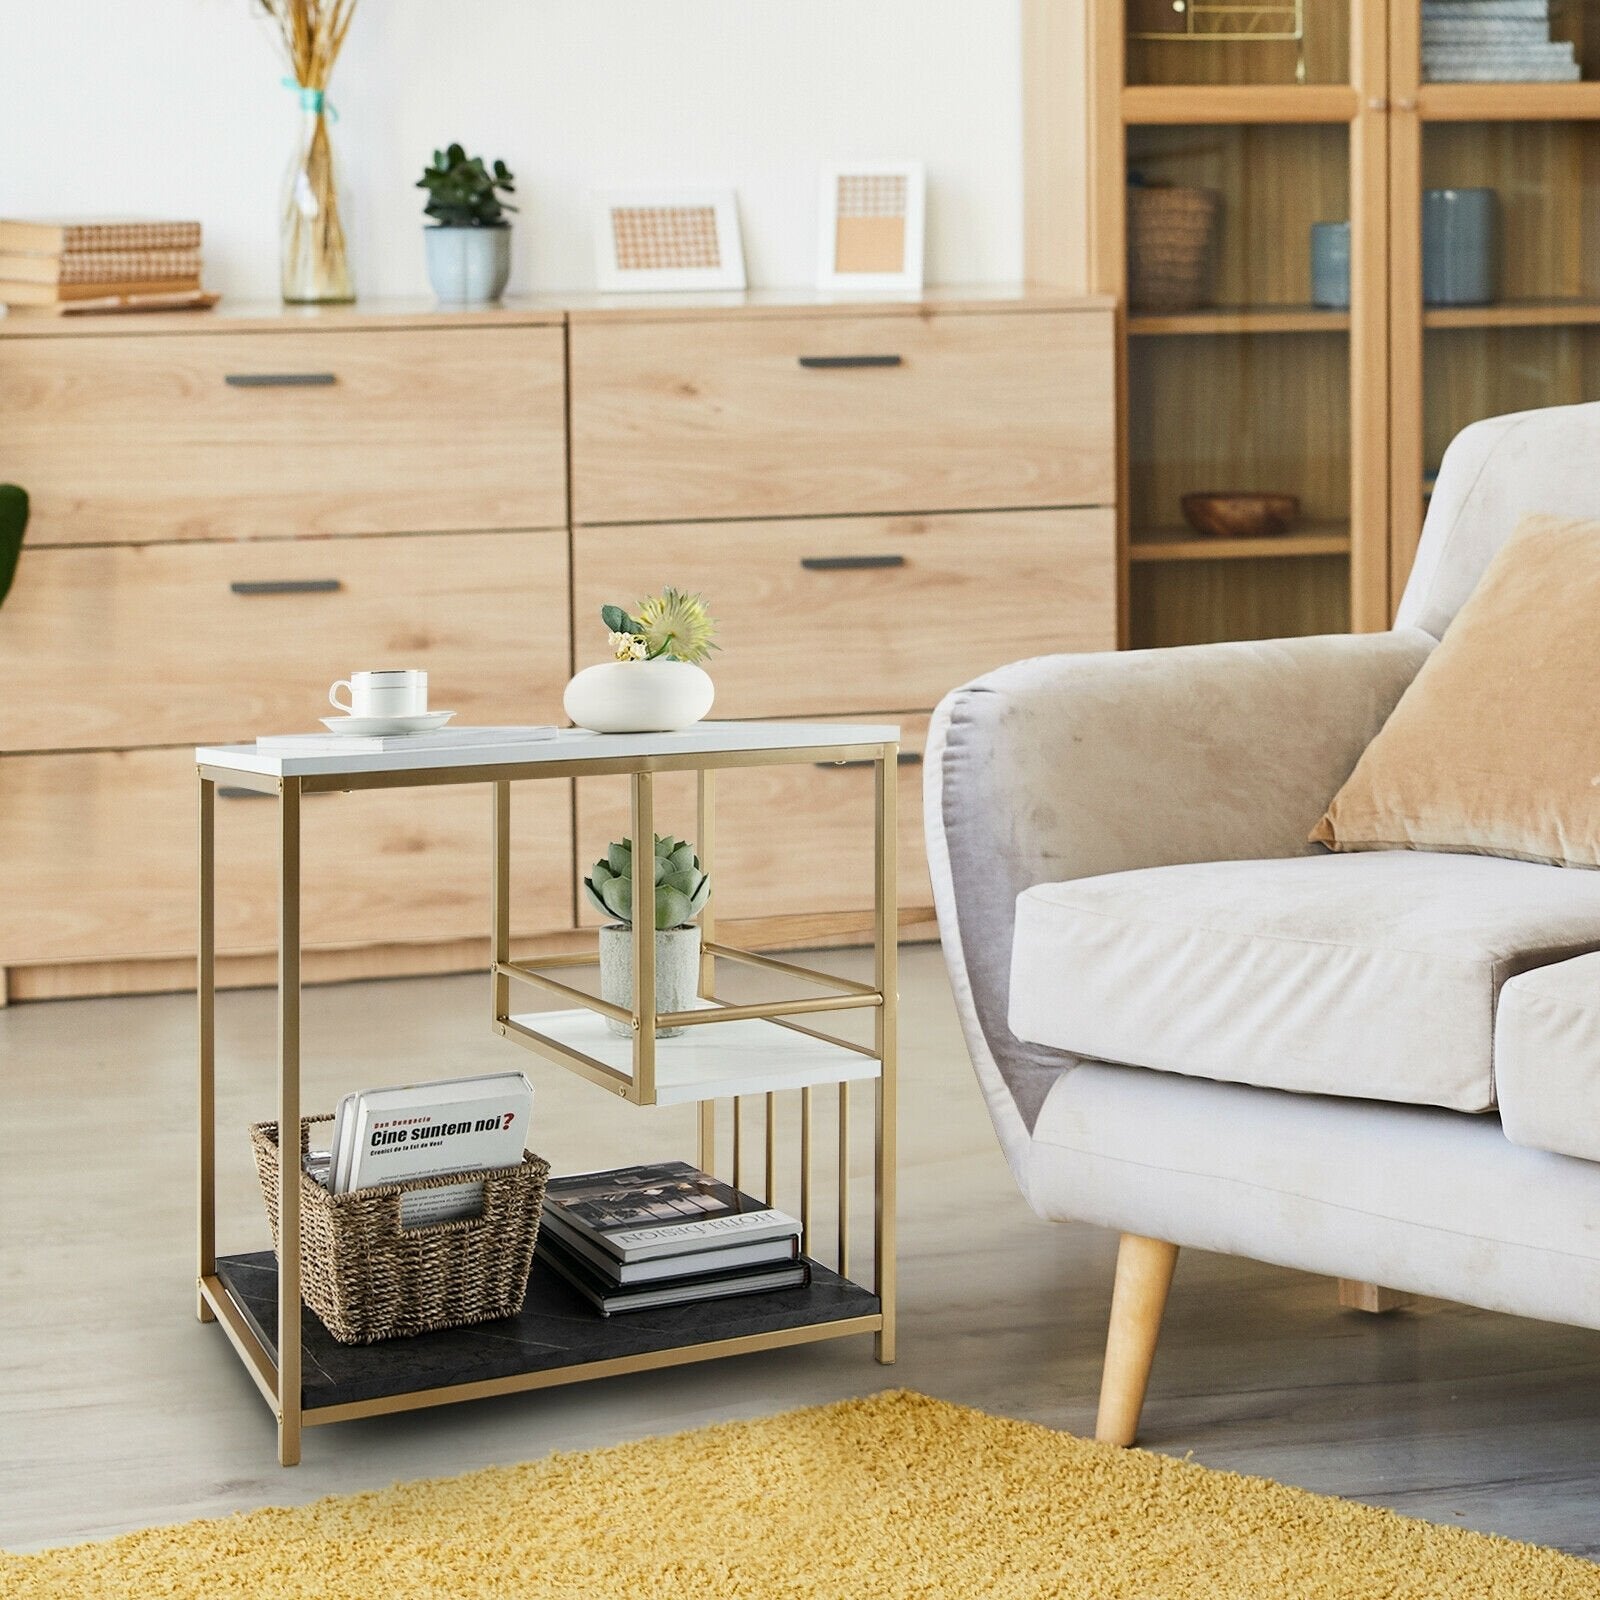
(1495,747)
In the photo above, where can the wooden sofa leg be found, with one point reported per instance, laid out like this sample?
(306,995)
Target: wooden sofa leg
(1354,1295)
(1144,1274)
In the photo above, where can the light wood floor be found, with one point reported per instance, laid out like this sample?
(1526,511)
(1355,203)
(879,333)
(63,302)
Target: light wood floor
(118,1409)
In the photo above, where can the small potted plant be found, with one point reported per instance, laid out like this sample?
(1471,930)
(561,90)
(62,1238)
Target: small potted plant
(682,890)
(469,246)
(654,682)
(13,524)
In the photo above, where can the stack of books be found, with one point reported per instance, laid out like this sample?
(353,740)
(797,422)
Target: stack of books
(1493,41)
(61,268)
(636,1238)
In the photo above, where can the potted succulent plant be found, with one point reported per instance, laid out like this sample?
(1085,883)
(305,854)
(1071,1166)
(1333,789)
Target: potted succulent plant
(681,891)
(13,524)
(654,682)
(469,246)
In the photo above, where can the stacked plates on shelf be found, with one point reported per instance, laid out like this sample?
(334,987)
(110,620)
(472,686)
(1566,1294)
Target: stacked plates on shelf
(1493,41)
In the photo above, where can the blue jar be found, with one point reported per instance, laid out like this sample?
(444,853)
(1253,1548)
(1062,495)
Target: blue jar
(1460,254)
(1330,265)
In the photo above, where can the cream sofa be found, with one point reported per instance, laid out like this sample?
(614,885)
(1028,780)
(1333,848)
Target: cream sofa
(1194,1027)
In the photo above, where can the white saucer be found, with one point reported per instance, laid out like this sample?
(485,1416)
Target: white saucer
(368,726)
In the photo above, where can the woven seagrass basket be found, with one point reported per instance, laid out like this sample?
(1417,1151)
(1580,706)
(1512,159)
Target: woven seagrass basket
(370,1279)
(1172,235)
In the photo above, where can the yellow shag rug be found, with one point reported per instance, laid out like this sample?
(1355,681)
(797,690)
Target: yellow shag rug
(899,1497)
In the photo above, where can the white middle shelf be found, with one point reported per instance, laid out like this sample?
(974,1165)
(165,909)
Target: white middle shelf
(713,1061)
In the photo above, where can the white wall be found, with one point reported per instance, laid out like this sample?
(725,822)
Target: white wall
(173,107)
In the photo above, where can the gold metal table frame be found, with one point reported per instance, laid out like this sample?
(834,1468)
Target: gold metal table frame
(280,1379)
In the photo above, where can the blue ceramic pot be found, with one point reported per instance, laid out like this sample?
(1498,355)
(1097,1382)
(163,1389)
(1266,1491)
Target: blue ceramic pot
(1330,265)
(1460,254)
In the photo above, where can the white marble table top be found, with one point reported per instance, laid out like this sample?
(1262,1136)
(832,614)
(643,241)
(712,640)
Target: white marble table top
(569,745)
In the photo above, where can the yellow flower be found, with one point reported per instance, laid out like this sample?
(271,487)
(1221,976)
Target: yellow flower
(676,624)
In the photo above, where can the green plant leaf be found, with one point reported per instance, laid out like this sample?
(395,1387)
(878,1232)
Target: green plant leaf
(13,524)
(683,882)
(617,620)
(683,857)
(595,898)
(672,907)
(619,857)
(618,898)
(697,901)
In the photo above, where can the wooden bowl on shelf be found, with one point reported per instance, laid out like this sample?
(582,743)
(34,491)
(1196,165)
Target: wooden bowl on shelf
(1240,515)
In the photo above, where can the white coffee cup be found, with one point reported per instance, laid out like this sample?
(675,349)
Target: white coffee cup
(399,692)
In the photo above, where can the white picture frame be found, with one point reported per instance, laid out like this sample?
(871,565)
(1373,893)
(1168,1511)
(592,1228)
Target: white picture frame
(642,238)
(871,213)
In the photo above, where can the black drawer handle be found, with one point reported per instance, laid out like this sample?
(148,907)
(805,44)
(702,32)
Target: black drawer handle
(906,758)
(288,586)
(279,380)
(851,361)
(849,563)
(229,791)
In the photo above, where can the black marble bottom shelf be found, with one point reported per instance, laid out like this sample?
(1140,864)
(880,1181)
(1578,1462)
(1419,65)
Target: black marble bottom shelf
(555,1328)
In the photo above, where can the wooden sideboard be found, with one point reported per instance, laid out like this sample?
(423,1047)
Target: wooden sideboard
(232,510)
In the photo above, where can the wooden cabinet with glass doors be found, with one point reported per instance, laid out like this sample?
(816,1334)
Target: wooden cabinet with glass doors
(1286,116)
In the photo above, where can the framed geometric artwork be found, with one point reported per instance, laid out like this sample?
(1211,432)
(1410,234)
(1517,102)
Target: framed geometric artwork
(871,225)
(668,239)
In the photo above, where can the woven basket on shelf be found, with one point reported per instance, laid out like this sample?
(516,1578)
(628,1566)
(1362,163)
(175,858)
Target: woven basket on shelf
(369,1279)
(1171,239)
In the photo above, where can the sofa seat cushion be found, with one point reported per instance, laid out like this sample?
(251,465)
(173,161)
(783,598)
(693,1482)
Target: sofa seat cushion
(1547,1058)
(1368,975)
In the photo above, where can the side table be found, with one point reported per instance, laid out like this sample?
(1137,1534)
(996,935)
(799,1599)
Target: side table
(727,1051)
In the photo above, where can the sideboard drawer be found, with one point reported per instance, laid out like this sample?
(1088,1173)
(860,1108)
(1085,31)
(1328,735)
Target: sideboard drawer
(870,614)
(790,840)
(254,435)
(187,644)
(806,416)
(100,861)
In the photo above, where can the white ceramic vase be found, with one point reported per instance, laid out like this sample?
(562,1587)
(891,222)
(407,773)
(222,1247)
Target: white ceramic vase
(639,696)
(677,972)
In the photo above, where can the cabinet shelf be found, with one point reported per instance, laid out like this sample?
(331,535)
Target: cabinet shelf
(1515,314)
(1240,319)
(1179,544)
(1508,102)
(1223,103)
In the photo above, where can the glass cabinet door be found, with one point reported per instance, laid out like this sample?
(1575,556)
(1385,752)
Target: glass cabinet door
(1254,365)
(1495,220)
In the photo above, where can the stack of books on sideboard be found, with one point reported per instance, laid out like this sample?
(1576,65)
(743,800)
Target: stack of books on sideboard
(66,268)
(667,1234)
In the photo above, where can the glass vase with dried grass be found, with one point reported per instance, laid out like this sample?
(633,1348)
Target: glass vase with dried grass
(315,264)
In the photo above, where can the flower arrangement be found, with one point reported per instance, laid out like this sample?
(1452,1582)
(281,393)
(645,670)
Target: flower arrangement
(313,243)
(671,625)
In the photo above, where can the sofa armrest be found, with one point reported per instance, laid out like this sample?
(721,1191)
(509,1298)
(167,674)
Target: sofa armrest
(1070,766)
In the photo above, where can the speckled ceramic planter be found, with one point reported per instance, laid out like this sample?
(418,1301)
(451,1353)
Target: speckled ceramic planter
(677,972)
